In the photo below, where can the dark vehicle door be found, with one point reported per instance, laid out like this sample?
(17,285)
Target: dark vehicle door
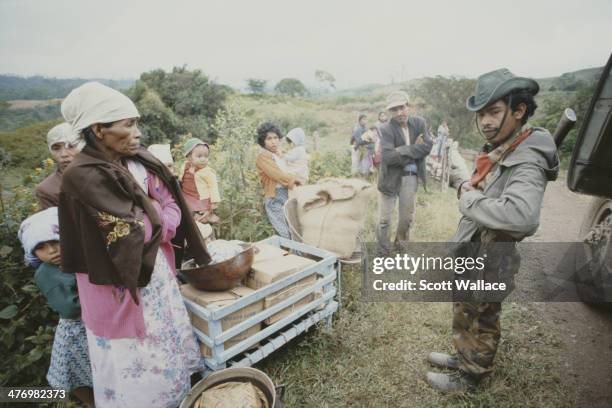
(590,173)
(591,164)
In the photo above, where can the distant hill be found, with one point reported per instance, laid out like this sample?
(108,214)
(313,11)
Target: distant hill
(31,103)
(368,90)
(16,114)
(38,87)
(568,81)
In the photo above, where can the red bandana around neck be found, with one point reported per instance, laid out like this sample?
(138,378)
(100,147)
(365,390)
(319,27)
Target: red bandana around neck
(484,162)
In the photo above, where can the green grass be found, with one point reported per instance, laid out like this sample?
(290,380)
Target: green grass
(375,354)
(332,120)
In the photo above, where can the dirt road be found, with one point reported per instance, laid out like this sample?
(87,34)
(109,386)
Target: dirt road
(586,333)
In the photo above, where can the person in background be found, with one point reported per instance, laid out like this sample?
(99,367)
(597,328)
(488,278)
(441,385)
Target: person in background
(63,145)
(120,209)
(199,182)
(442,138)
(356,142)
(163,154)
(382,119)
(274,175)
(315,140)
(69,368)
(377,154)
(458,167)
(297,158)
(405,143)
(366,151)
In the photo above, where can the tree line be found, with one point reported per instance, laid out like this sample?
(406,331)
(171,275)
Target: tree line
(184,101)
(39,87)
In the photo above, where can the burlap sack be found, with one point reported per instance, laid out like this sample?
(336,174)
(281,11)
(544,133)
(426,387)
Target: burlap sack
(331,213)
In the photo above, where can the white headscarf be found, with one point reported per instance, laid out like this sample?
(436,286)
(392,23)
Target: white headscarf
(93,103)
(38,228)
(63,133)
(162,152)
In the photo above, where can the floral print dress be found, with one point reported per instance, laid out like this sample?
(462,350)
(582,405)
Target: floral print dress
(153,371)
(69,367)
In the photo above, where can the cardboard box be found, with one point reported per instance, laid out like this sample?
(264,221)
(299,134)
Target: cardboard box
(267,252)
(286,293)
(220,299)
(264,273)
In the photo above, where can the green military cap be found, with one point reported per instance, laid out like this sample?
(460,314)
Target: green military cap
(494,85)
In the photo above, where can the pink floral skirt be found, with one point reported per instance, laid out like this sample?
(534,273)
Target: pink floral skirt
(153,371)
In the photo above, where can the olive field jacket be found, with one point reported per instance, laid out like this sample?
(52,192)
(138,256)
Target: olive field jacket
(512,199)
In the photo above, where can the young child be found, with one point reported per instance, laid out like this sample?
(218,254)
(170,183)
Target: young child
(377,152)
(297,158)
(70,368)
(199,182)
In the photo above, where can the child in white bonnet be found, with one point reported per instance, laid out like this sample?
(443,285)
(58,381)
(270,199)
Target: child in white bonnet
(70,368)
(297,158)
(163,153)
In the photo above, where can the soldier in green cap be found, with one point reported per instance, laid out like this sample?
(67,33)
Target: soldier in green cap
(500,202)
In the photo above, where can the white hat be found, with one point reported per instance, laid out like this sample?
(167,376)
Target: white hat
(93,103)
(40,227)
(162,152)
(63,133)
(297,136)
(397,98)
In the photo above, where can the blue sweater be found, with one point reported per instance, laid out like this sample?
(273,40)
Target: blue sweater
(59,289)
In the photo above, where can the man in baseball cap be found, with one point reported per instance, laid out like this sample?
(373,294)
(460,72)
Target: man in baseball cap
(500,203)
(405,143)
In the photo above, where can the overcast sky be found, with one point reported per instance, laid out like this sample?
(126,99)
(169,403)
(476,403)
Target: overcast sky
(359,42)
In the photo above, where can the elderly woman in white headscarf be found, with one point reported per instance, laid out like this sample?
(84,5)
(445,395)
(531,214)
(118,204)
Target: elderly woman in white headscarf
(119,210)
(63,145)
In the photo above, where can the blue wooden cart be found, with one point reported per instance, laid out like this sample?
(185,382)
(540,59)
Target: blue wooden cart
(270,338)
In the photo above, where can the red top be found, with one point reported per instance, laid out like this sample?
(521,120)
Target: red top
(190,191)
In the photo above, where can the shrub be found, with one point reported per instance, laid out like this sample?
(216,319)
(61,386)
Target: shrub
(177,102)
(28,324)
(328,164)
(256,86)
(291,87)
(157,121)
(304,120)
(233,158)
(27,147)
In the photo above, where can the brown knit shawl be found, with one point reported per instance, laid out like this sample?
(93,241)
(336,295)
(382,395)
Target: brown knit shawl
(101,214)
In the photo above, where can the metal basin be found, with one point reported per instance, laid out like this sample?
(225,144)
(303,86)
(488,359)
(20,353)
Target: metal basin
(223,275)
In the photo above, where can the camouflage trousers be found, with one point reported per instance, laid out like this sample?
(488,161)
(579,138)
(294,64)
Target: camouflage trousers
(476,333)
